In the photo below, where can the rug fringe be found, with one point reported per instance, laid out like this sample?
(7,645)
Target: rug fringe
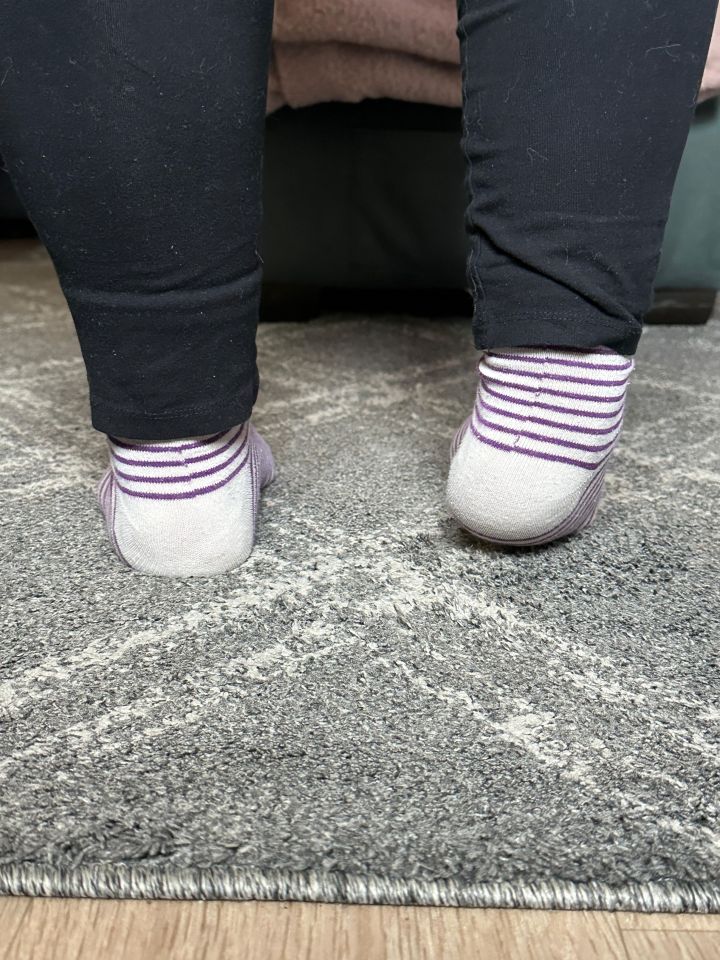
(218,883)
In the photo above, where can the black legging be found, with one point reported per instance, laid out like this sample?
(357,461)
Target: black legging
(133,132)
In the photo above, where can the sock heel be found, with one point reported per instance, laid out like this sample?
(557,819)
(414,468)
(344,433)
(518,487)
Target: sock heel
(184,508)
(528,465)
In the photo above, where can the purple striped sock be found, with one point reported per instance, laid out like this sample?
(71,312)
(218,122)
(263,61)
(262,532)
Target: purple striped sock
(528,463)
(185,507)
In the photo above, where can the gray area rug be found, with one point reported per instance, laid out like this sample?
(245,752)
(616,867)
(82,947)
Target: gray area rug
(374,708)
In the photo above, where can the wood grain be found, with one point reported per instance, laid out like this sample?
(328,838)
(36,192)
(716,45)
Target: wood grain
(701,922)
(671,945)
(55,929)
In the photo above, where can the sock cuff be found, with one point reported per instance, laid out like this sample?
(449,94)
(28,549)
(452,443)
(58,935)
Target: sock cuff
(179,469)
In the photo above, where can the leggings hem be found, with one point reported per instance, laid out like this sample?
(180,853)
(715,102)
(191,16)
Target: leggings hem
(138,425)
(578,331)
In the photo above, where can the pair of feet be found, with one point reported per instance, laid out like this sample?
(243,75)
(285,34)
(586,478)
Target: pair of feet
(527,467)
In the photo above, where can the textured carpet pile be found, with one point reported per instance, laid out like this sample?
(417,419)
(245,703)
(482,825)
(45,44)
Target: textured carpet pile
(374,708)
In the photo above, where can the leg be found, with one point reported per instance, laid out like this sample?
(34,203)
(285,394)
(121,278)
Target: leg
(133,133)
(575,118)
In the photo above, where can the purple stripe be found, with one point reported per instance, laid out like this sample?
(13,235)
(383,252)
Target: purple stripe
(575,521)
(190,476)
(579,517)
(177,463)
(588,501)
(154,448)
(458,438)
(542,375)
(555,393)
(550,406)
(105,500)
(105,496)
(579,522)
(596,432)
(113,514)
(541,438)
(255,487)
(563,363)
(552,457)
(113,532)
(190,494)
(102,485)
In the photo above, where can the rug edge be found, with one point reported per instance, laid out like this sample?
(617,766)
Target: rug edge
(108,881)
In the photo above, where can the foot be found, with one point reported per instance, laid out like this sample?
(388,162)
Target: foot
(528,464)
(183,508)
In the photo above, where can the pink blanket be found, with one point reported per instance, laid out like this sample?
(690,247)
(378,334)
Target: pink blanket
(405,49)
(711,77)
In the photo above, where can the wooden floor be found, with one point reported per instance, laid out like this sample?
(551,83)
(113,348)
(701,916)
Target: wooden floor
(43,929)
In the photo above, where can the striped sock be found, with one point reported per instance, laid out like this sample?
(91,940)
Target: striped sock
(528,464)
(185,507)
